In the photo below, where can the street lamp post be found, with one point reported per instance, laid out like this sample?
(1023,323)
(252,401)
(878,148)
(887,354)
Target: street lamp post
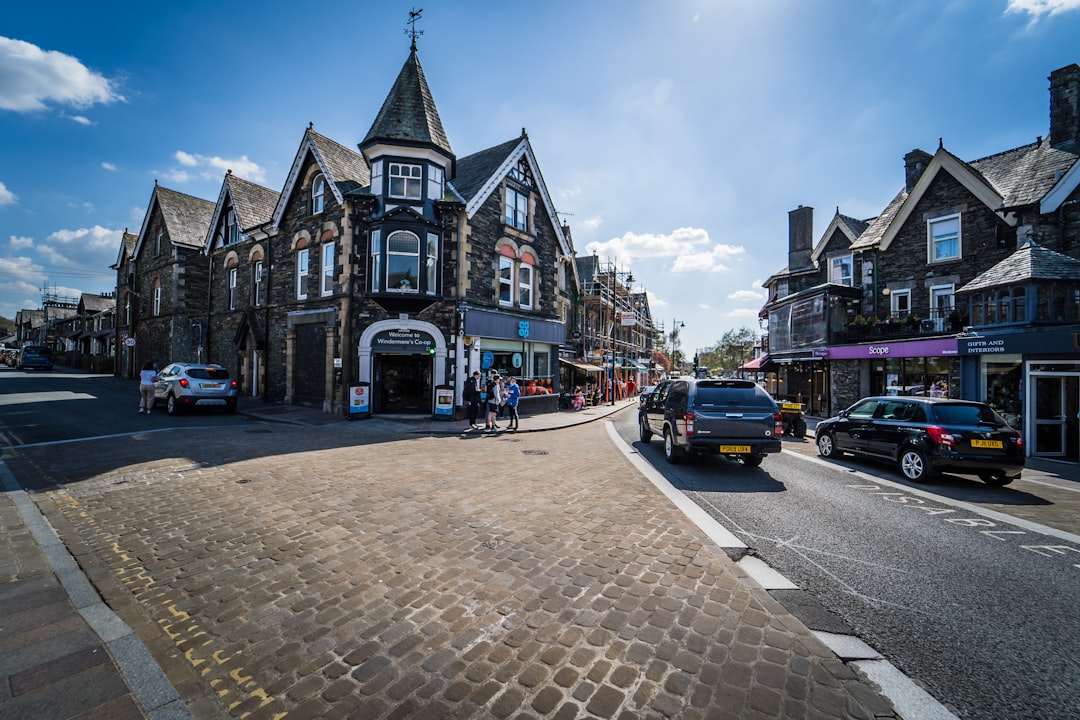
(676,325)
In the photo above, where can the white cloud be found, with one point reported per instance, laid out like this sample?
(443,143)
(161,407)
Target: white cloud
(177,176)
(82,120)
(111,167)
(704,306)
(31,77)
(6,196)
(743,313)
(687,245)
(17,243)
(746,295)
(88,249)
(241,166)
(1038,8)
(592,223)
(20,275)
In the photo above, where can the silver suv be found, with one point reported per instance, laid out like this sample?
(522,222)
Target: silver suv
(182,386)
(736,418)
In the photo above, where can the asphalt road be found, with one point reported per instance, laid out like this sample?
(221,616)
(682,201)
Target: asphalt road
(978,611)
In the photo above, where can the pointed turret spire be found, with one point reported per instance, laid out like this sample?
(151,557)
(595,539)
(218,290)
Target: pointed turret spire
(408,115)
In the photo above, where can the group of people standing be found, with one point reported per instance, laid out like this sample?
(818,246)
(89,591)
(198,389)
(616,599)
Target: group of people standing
(497,394)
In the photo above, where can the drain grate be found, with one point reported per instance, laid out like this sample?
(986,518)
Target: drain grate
(534,452)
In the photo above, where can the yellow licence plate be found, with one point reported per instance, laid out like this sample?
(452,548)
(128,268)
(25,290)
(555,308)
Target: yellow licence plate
(734,448)
(996,444)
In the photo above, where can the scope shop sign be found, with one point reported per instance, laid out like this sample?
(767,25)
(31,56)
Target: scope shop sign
(410,342)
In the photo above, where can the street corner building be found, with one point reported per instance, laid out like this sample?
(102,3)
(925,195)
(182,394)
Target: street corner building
(375,281)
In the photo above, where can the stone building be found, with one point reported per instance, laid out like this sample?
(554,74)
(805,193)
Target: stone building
(932,296)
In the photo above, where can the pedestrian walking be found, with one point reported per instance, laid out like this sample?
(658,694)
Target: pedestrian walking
(471,395)
(147,378)
(494,399)
(513,393)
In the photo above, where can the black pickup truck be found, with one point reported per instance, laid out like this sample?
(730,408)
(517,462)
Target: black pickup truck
(729,417)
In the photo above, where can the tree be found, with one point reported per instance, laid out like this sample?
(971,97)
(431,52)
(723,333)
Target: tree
(733,349)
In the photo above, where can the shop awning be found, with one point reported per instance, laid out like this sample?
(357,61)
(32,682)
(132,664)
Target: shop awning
(584,367)
(632,364)
(760,363)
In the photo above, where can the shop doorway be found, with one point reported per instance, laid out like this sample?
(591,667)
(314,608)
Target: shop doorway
(402,383)
(1056,404)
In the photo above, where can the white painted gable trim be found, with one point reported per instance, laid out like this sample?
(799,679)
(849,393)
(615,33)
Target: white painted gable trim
(944,160)
(294,174)
(208,242)
(493,182)
(836,223)
(145,223)
(1062,190)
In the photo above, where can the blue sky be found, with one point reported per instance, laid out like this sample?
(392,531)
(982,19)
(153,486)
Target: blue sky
(676,135)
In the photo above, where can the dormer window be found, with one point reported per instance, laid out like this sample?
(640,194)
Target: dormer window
(232,228)
(318,195)
(840,270)
(405,181)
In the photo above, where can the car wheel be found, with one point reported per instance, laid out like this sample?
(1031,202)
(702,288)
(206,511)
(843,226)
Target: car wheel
(671,453)
(996,478)
(752,460)
(826,446)
(799,429)
(643,430)
(915,466)
(171,406)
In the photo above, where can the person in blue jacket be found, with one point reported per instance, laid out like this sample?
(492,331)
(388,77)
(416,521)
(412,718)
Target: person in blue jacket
(513,392)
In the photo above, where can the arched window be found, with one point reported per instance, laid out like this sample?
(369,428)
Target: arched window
(318,195)
(525,281)
(402,262)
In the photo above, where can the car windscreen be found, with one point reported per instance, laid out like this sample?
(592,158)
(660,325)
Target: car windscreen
(967,415)
(711,395)
(36,351)
(208,373)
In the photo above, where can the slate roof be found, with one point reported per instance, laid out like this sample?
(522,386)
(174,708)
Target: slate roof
(186,217)
(473,171)
(857,227)
(348,169)
(876,228)
(254,204)
(408,114)
(1030,262)
(96,303)
(1024,175)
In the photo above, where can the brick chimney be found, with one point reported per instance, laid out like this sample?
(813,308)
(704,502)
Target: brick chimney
(800,238)
(915,163)
(1065,108)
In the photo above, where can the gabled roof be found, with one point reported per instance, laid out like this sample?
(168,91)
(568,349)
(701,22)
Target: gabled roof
(849,226)
(483,172)
(96,303)
(408,114)
(127,248)
(1024,175)
(871,237)
(253,204)
(1030,262)
(345,170)
(186,217)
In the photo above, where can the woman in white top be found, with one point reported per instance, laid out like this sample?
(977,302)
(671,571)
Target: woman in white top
(147,378)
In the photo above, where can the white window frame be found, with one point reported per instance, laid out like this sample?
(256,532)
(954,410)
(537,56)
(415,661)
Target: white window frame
(842,262)
(938,232)
(506,281)
(405,181)
(895,302)
(941,315)
(376,261)
(157,300)
(328,269)
(517,209)
(432,269)
(232,288)
(395,250)
(256,283)
(318,194)
(232,228)
(525,285)
(435,179)
(302,270)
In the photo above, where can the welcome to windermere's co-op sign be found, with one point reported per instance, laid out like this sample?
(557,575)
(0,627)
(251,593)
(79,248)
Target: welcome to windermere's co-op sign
(409,342)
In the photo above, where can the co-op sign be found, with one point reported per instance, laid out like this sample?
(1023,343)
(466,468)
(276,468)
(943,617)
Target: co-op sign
(410,342)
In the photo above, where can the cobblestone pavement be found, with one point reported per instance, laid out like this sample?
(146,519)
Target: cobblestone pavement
(338,572)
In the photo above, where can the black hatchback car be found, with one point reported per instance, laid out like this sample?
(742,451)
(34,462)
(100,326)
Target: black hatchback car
(927,436)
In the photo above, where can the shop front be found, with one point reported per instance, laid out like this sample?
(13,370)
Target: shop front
(914,367)
(517,346)
(403,361)
(1033,380)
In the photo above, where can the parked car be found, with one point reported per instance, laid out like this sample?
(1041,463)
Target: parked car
(182,386)
(731,417)
(36,357)
(926,436)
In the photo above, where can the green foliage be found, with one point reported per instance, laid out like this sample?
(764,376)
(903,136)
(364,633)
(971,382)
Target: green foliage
(733,349)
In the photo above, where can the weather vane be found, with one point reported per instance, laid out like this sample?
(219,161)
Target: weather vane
(414,15)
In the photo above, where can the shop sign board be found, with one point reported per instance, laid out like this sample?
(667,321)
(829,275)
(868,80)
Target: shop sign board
(409,342)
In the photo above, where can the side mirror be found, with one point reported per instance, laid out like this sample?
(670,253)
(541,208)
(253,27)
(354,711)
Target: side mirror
(843,414)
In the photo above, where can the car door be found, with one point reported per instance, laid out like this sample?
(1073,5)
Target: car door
(161,387)
(852,433)
(654,407)
(891,425)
